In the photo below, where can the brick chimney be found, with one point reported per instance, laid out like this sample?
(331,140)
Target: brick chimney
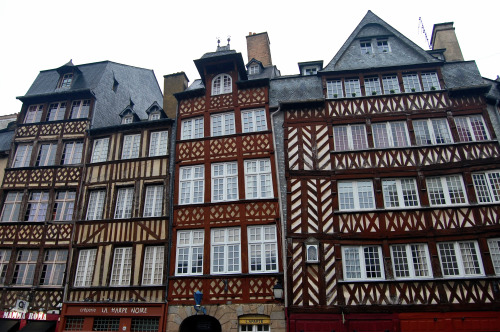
(172,84)
(258,48)
(444,37)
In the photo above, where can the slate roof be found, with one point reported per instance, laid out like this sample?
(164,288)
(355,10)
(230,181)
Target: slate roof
(137,84)
(403,50)
(295,88)
(6,138)
(463,74)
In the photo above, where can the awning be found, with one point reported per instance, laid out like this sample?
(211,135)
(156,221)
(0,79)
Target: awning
(9,325)
(39,327)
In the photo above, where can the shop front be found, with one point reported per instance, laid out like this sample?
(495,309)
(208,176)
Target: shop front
(12,321)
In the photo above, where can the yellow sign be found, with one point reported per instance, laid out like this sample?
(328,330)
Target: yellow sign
(255,320)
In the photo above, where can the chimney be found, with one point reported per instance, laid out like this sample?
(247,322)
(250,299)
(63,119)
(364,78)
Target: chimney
(444,37)
(258,48)
(172,84)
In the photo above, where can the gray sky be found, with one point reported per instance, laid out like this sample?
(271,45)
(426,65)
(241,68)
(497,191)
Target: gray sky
(166,36)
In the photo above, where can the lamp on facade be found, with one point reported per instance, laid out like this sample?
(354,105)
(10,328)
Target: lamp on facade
(198,296)
(278,291)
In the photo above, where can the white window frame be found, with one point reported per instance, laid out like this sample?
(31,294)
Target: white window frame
(154,116)
(487,186)
(122,267)
(361,271)
(254,328)
(355,191)
(100,150)
(405,194)
(394,134)
(372,84)
(222,84)
(190,252)
(192,128)
(254,120)
(34,114)
(64,204)
(158,145)
(56,111)
(411,82)
(37,205)
(5,255)
(80,109)
(12,206)
(390,83)
(152,273)
(72,153)
(253,69)
(53,268)
(383,46)
(153,201)
(222,124)
(366,46)
(445,188)
(225,249)
(131,146)
(46,154)
(494,246)
(334,89)
(415,259)
(128,119)
(312,253)
(95,207)
(471,128)
(262,249)
(85,268)
(459,262)
(258,179)
(430,80)
(348,133)
(22,157)
(224,182)
(24,270)
(124,203)
(191,184)
(352,86)
(432,131)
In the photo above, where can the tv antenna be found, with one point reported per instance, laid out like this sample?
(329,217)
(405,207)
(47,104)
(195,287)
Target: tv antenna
(421,28)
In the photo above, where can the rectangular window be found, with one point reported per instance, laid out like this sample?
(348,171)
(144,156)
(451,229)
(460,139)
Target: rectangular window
(383,46)
(127,120)
(80,109)
(158,145)
(487,186)
(400,193)
(74,323)
(222,124)
(362,262)
(72,153)
(122,267)
(226,253)
(262,249)
(356,195)
(125,197)
(23,155)
(131,144)
(372,86)
(56,111)
(46,155)
(432,131)
(36,209)
(411,261)
(190,252)
(352,88)
(34,114)
(24,270)
(430,81)
(12,206)
(96,204)
(4,264)
(106,324)
(366,47)
(85,268)
(460,259)
(350,137)
(258,180)
(100,150)
(153,202)
(66,80)
(334,89)
(154,116)
(471,128)
(411,83)
(192,183)
(391,84)
(64,205)
(153,265)
(224,182)
(446,190)
(192,128)
(54,265)
(494,245)
(390,134)
(145,324)
(254,120)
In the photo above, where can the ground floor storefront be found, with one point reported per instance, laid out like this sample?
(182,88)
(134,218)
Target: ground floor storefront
(13,321)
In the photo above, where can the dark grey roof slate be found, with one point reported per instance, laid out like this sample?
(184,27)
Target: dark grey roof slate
(6,137)
(266,72)
(494,91)
(464,74)
(197,84)
(403,50)
(294,88)
(217,53)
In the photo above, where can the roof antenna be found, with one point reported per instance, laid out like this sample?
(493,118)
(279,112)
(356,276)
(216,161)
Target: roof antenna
(421,24)
(218,42)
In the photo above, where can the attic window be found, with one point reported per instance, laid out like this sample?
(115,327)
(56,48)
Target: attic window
(115,85)
(383,46)
(222,84)
(66,81)
(310,70)
(127,119)
(366,47)
(253,69)
(154,116)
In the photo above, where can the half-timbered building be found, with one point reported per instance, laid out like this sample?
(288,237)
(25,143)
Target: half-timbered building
(390,169)
(226,231)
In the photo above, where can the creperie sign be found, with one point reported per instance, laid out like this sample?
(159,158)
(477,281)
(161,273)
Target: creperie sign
(23,315)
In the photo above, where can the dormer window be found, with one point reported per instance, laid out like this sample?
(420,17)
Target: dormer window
(312,70)
(253,69)
(154,116)
(383,46)
(66,81)
(127,119)
(222,84)
(366,47)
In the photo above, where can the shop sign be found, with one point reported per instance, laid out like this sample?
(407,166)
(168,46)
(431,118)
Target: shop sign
(255,320)
(23,315)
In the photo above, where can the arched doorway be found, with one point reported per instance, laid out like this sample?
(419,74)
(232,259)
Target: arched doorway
(200,323)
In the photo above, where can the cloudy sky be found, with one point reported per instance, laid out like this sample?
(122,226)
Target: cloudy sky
(166,36)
